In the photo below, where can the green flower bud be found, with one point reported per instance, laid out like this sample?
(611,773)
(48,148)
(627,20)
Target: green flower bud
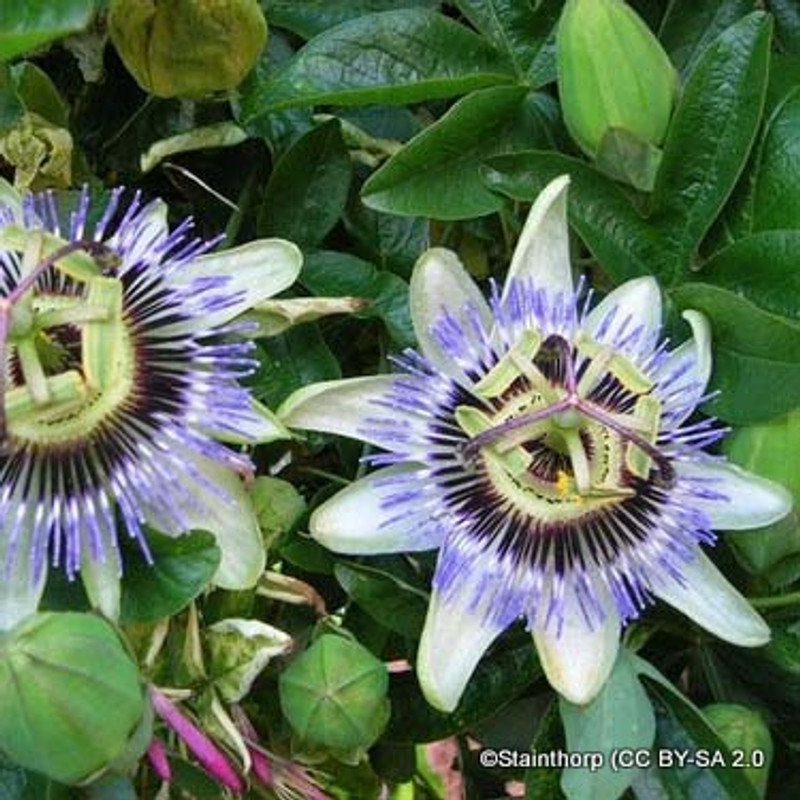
(40,152)
(334,694)
(744,730)
(70,695)
(612,74)
(187,48)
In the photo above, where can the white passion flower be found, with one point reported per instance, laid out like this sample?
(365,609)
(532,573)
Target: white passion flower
(545,449)
(121,355)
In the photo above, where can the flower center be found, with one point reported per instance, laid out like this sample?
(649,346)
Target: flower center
(564,429)
(70,359)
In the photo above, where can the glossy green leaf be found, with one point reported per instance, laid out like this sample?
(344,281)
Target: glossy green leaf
(436,173)
(787,23)
(293,359)
(689,29)
(543,783)
(763,268)
(711,134)
(330,274)
(402,56)
(772,672)
(497,680)
(308,18)
(393,603)
(620,717)
(681,726)
(307,191)
(39,94)
(756,354)
(387,240)
(11,106)
(776,202)
(620,239)
(182,567)
(28,25)
(525,32)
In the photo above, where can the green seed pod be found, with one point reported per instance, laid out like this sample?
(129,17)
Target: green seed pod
(612,74)
(70,695)
(187,48)
(334,694)
(747,737)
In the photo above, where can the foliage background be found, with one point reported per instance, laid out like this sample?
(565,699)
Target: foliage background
(367,131)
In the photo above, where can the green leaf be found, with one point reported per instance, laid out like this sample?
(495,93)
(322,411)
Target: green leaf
(182,567)
(524,33)
(39,94)
(389,241)
(710,135)
(620,239)
(543,783)
(393,603)
(689,29)
(763,268)
(293,359)
(620,717)
(681,726)
(11,106)
(756,354)
(307,191)
(787,23)
(330,274)
(497,681)
(308,18)
(436,173)
(776,202)
(12,781)
(395,57)
(25,26)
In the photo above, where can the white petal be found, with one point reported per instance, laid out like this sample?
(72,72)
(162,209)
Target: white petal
(714,604)
(454,638)
(440,285)
(542,252)
(744,500)
(347,407)
(101,580)
(231,518)
(360,520)
(633,307)
(19,595)
(262,425)
(578,662)
(257,270)
(684,375)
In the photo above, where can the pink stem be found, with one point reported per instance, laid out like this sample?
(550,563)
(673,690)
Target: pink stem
(205,751)
(157,756)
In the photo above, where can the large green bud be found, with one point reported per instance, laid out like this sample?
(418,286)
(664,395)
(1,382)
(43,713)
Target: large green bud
(612,75)
(187,48)
(71,701)
(334,694)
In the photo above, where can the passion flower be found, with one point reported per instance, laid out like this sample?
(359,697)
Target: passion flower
(120,364)
(547,450)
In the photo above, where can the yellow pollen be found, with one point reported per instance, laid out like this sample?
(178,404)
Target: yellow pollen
(563,483)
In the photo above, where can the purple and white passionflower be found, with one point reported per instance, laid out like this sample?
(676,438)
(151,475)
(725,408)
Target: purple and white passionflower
(121,359)
(547,451)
